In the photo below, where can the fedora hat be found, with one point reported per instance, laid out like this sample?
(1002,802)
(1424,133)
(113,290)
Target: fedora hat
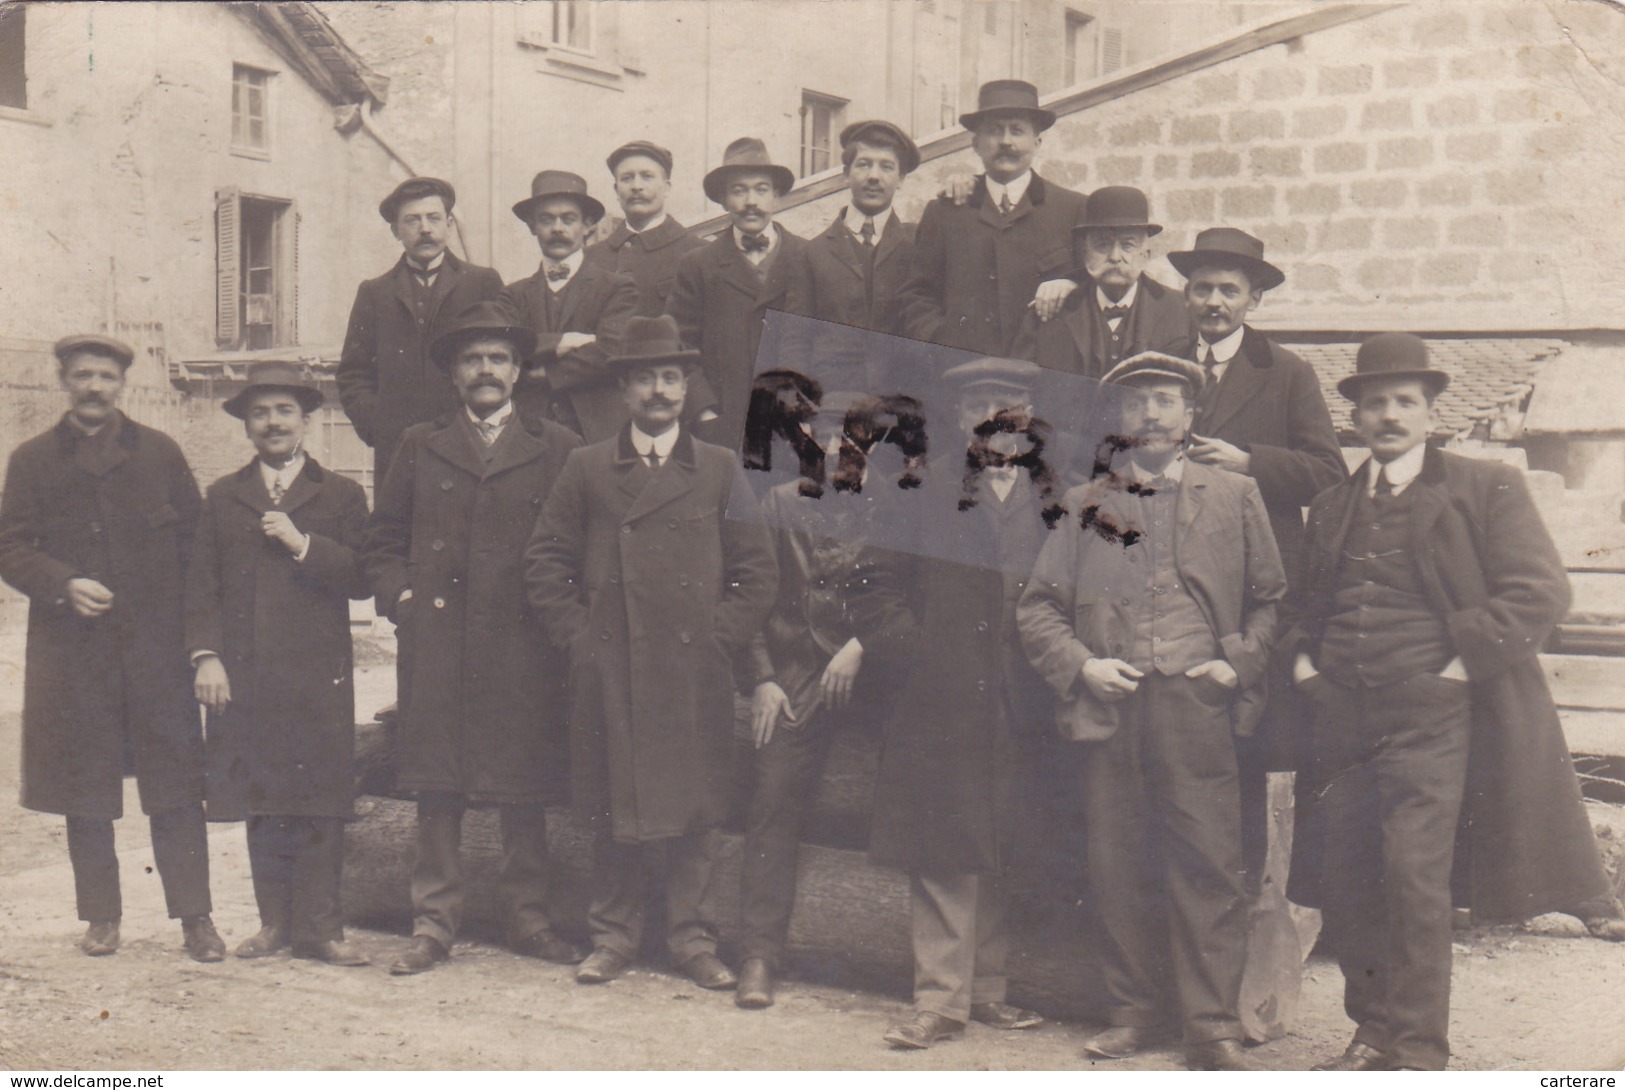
(98,343)
(1004,96)
(1158,365)
(640,147)
(649,341)
(276,375)
(884,133)
(1389,356)
(746,153)
(1117,206)
(992,371)
(415,189)
(559,183)
(481,321)
(1229,246)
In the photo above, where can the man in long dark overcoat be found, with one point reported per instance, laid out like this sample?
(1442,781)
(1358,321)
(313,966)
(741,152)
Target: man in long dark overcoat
(649,242)
(482,711)
(96,528)
(274,566)
(656,592)
(1429,585)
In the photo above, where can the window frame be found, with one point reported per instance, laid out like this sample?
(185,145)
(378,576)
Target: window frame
(811,103)
(267,115)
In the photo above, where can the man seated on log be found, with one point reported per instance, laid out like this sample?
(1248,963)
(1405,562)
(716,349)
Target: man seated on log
(274,566)
(638,571)
(1150,613)
(482,697)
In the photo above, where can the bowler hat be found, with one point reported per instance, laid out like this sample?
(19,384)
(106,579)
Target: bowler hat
(96,343)
(276,375)
(1389,356)
(650,341)
(1229,246)
(414,189)
(485,320)
(640,147)
(559,183)
(1158,365)
(884,134)
(1004,96)
(992,371)
(1117,206)
(748,153)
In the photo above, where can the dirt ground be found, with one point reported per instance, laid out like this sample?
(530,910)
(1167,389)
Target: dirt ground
(1537,997)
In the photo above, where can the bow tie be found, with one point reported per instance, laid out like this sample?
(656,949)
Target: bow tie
(558,272)
(1115,311)
(754,244)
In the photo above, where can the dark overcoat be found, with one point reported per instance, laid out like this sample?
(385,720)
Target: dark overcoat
(482,703)
(386,380)
(123,513)
(1080,341)
(282,630)
(650,258)
(1489,568)
(656,593)
(583,393)
(975,270)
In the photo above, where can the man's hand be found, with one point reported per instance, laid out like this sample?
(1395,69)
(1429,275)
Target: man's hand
(569,342)
(1216,452)
(958,188)
(1110,679)
(1217,671)
(211,687)
(841,673)
(88,597)
(1303,668)
(280,528)
(767,703)
(1051,294)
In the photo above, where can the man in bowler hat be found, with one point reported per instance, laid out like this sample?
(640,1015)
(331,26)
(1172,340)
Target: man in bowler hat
(649,242)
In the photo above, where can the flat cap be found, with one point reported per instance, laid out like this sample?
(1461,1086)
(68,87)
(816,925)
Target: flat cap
(1158,365)
(415,189)
(640,147)
(993,371)
(98,343)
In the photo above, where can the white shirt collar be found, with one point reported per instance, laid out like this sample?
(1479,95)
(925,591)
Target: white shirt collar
(573,263)
(498,419)
(432,267)
(1225,349)
(661,444)
(772,234)
(855,217)
(1174,470)
(1015,189)
(650,226)
(272,474)
(1401,471)
(1126,301)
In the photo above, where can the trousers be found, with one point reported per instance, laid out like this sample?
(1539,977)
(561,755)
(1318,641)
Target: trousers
(296,863)
(961,945)
(180,849)
(437,880)
(620,880)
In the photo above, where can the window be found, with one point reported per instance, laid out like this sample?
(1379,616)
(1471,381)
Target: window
(822,118)
(250,109)
(990,17)
(950,109)
(1081,49)
(563,23)
(256,271)
(13,73)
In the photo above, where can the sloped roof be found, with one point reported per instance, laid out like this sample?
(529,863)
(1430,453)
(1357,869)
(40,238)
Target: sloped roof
(1581,392)
(305,37)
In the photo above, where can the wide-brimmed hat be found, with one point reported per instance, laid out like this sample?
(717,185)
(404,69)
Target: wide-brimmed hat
(640,147)
(908,155)
(481,321)
(1155,365)
(650,341)
(1004,96)
(1229,246)
(415,189)
(993,371)
(746,154)
(1116,206)
(99,343)
(1391,356)
(276,375)
(559,183)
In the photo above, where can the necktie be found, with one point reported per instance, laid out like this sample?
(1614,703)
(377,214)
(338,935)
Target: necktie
(277,492)
(1004,203)
(1114,311)
(866,233)
(1206,358)
(754,244)
(558,272)
(1385,487)
(654,459)
(488,432)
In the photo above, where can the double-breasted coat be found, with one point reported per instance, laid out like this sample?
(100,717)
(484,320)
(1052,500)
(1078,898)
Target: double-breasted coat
(281,627)
(975,269)
(120,508)
(386,378)
(482,702)
(1489,568)
(1079,340)
(649,257)
(656,593)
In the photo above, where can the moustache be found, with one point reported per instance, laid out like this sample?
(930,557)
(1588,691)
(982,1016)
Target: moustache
(494,383)
(657,402)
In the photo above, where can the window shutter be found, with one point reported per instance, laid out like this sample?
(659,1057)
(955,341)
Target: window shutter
(1111,50)
(293,283)
(228,263)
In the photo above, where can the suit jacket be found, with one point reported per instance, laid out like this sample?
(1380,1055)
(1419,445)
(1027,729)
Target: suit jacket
(1080,341)
(386,380)
(579,389)
(1086,586)
(650,258)
(975,270)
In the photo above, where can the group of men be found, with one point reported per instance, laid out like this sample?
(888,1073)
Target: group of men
(582,576)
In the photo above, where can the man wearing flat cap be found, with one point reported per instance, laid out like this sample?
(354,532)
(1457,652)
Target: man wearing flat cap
(650,571)
(274,566)
(386,380)
(96,527)
(482,705)
(1151,613)
(1429,584)
(648,243)
(577,311)
(978,265)
(725,288)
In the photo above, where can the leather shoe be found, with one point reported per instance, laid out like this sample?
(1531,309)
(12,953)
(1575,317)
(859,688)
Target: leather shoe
(707,971)
(923,1030)
(100,939)
(333,951)
(420,957)
(1118,1042)
(548,946)
(1004,1016)
(755,985)
(1222,1055)
(262,943)
(202,941)
(602,966)
(1357,1057)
